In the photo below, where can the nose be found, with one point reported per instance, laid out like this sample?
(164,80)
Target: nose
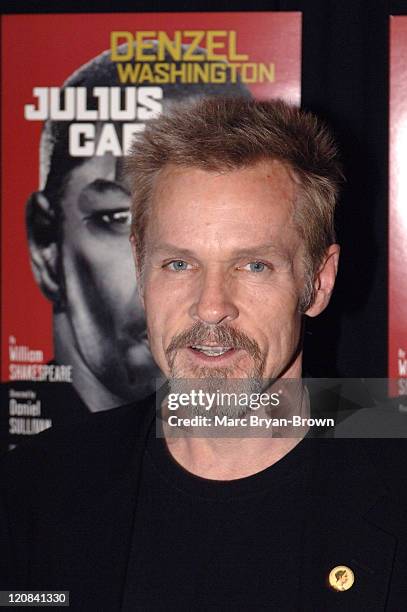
(214,303)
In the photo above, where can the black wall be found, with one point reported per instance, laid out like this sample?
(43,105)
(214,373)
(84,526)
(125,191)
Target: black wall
(345,80)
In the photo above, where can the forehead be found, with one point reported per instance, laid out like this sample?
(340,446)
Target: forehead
(248,205)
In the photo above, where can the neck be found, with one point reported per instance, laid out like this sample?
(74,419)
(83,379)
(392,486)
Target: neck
(233,458)
(92,392)
(229,459)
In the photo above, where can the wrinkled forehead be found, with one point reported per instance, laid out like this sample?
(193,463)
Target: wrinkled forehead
(194,208)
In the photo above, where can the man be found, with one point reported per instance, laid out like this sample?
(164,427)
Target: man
(232,234)
(78,225)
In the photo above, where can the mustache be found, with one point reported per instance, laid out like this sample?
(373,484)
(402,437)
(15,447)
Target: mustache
(223,335)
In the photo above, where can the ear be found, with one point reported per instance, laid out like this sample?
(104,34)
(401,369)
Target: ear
(42,235)
(325,281)
(138,266)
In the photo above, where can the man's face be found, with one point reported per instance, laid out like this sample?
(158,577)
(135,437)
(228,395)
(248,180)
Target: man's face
(100,295)
(223,273)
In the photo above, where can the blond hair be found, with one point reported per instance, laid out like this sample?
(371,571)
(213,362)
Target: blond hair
(223,134)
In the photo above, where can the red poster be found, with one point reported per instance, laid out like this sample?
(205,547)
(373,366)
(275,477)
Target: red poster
(76,89)
(398,207)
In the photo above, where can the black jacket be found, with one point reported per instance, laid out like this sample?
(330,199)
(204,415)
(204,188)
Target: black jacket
(68,504)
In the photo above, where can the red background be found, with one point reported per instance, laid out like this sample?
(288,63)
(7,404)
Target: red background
(398,193)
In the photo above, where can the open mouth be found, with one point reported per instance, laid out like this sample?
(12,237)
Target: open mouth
(212,352)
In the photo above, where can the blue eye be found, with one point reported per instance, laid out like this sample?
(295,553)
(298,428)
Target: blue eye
(178,265)
(256,266)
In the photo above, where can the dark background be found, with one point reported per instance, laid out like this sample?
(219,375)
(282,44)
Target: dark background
(344,80)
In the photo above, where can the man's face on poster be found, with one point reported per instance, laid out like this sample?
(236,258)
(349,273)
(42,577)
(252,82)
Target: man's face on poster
(98,285)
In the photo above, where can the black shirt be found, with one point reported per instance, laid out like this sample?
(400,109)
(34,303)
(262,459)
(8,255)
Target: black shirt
(204,544)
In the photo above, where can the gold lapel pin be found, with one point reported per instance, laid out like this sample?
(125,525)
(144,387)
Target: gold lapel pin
(341,578)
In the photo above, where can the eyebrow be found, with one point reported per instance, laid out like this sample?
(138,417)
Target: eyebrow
(246,252)
(102,186)
(174,250)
